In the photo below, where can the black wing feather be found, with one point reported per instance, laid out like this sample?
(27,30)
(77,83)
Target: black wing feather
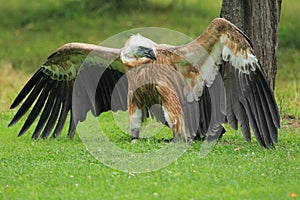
(53,84)
(235,111)
(205,114)
(72,126)
(27,88)
(269,97)
(269,121)
(29,101)
(53,117)
(115,95)
(62,118)
(250,100)
(253,112)
(45,113)
(35,111)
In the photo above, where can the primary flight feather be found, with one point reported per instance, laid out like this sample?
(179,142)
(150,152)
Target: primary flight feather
(193,88)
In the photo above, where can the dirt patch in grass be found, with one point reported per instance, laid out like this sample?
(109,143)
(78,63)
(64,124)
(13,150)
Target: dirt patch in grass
(291,121)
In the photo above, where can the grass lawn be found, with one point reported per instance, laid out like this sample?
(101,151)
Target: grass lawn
(65,169)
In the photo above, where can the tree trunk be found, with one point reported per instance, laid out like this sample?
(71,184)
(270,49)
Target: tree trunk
(259,21)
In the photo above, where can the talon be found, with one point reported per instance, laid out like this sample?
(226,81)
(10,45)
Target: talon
(176,139)
(190,140)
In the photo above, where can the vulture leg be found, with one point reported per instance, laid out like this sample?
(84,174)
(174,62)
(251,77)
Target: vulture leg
(135,120)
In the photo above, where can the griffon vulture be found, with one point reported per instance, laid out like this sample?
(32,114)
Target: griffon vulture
(193,88)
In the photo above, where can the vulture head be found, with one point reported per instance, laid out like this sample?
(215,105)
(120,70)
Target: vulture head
(138,50)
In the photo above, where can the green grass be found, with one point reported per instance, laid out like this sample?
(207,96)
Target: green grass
(64,169)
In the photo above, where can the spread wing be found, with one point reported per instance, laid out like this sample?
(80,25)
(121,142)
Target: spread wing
(74,66)
(222,59)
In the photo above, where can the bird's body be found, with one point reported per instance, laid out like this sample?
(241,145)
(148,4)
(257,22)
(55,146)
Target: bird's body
(153,84)
(193,88)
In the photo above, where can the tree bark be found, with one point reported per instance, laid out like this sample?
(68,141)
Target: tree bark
(259,21)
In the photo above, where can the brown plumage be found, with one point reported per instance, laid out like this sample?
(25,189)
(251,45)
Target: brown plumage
(198,86)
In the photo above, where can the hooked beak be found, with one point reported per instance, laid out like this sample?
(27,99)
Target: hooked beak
(150,54)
